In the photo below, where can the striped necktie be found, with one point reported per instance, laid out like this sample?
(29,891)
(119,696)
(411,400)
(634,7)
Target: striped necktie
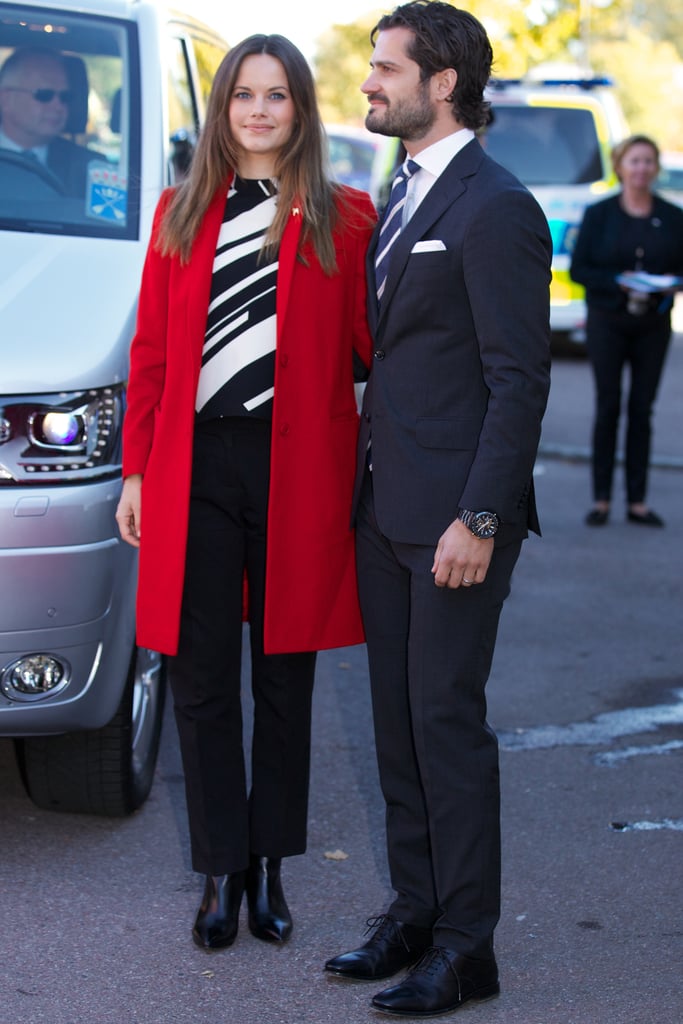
(391,224)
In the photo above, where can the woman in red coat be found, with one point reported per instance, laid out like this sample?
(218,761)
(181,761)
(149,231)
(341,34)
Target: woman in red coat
(239,451)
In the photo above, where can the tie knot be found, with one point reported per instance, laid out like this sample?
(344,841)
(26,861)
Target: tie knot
(405,173)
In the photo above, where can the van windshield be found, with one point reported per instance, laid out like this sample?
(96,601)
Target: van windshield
(545,145)
(69,123)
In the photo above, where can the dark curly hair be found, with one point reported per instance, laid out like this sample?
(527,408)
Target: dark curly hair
(447,37)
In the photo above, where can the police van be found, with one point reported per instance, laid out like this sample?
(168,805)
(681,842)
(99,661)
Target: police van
(100,105)
(555,135)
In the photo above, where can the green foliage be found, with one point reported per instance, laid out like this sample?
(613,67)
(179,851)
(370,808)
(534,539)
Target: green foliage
(341,65)
(638,42)
(652,101)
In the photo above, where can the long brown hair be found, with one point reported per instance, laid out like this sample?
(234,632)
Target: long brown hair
(301,166)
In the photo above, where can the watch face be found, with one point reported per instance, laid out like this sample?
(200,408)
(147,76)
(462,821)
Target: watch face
(485,524)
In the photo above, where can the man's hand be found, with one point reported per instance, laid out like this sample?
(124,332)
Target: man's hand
(461,559)
(128,511)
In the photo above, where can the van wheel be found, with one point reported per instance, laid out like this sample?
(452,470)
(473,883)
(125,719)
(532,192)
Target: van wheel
(107,771)
(568,343)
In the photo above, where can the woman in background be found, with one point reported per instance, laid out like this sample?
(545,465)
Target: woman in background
(239,454)
(635,230)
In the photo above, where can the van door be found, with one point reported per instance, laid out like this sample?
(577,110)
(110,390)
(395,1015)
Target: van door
(87,98)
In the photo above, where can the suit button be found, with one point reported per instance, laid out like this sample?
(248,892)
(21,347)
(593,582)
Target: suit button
(284,429)
(367,416)
(379,353)
(284,359)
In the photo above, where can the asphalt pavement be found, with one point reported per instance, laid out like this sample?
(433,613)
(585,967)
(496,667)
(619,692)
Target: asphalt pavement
(586,695)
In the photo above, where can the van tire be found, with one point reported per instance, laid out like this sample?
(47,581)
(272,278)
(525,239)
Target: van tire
(568,343)
(107,771)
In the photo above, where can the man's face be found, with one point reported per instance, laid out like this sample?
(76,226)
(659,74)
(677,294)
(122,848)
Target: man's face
(23,117)
(400,104)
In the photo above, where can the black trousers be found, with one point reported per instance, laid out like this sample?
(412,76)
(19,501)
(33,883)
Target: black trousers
(430,652)
(615,340)
(227,535)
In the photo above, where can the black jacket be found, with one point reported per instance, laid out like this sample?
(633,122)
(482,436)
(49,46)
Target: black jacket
(606,247)
(460,373)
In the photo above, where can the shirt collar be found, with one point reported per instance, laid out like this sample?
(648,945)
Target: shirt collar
(7,143)
(436,158)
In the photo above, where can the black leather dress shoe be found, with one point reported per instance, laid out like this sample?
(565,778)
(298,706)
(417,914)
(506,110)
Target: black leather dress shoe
(597,517)
(269,916)
(443,980)
(393,946)
(648,518)
(218,914)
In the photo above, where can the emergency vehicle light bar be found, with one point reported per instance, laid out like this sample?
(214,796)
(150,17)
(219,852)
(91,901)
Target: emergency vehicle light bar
(582,83)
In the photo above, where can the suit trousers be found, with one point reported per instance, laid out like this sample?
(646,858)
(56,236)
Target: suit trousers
(430,651)
(614,340)
(226,538)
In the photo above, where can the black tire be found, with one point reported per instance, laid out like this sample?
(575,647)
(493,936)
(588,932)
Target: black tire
(107,771)
(564,343)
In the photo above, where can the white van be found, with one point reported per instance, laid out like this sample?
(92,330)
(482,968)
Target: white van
(82,701)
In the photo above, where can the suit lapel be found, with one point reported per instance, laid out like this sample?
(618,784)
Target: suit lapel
(446,190)
(289,247)
(198,274)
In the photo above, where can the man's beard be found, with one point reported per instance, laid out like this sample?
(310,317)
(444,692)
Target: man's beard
(404,119)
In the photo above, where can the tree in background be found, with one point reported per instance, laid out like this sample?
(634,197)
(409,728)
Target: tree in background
(341,64)
(638,43)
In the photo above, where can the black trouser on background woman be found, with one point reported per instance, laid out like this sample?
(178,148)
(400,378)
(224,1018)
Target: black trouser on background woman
(616,339)
(226,536)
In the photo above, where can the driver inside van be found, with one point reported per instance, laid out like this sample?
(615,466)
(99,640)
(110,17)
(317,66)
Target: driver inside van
(34,110)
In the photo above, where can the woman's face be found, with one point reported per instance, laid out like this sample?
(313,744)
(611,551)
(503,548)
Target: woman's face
(639,166)
(261,114)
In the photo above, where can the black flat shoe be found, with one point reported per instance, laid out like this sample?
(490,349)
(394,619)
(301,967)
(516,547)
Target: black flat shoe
(269,916)
(392,947)
(218,915)
(597,517)
(648,518)
(443,980)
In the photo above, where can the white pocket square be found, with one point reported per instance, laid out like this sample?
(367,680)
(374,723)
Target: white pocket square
(429,245)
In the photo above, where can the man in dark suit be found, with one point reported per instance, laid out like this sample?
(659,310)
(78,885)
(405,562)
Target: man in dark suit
(444,496)
(35,101)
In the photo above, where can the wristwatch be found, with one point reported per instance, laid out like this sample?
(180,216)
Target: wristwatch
(481,524)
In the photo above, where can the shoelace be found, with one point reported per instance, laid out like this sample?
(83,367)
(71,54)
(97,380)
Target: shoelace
(432,960)
(386,927)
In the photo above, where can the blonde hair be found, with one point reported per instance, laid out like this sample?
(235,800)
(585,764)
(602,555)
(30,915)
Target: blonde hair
(621,149)
(301,166)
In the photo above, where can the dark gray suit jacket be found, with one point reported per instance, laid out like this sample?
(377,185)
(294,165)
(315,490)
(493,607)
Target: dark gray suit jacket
(461,368)
(69,163)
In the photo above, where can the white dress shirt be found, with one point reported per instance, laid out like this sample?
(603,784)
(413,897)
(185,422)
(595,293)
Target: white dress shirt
(433,161)
(40,152)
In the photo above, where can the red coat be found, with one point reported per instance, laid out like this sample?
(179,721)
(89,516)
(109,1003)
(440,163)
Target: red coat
(311,597)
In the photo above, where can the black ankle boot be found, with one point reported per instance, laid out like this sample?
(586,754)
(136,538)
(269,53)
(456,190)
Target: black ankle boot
(269,916)
(218,915)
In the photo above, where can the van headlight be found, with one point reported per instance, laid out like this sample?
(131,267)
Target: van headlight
(65,437)
(58,429)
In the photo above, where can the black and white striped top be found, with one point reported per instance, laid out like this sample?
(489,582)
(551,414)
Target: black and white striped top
(237,375)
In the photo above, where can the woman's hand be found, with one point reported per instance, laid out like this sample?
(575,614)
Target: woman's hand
(128,511)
